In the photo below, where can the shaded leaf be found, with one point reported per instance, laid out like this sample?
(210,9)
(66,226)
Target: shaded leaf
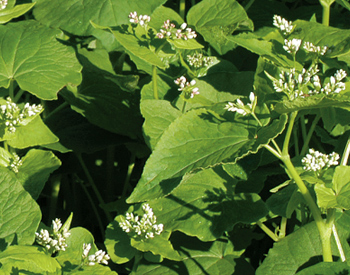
(8,14)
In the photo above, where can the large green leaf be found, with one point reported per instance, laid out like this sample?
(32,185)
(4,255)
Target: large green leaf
(288,255)
(214,258)
(27,57)
(205,205)
(36,169)
(197,140)
(29,260)
(74,16)
(217,20)
(20,214)
(336,268)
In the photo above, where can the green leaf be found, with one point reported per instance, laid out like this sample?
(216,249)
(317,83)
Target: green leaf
(28,258)
(130,39)
(217,20)
(20,214)
(288,255)
(95,269)
(204,205)
(285,201)
(326,268)
(118,243)
(72,256)
(8,14)
(36,169)
(313,102)
(28,59)
(74,16)
(158,114)
(34,134)
(198,140)
(215,258)
(107,100)
(338,195)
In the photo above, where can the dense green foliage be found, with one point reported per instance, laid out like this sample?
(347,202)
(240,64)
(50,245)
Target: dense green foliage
(216,146)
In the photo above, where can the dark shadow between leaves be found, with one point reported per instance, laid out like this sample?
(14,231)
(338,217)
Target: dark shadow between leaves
(315,260)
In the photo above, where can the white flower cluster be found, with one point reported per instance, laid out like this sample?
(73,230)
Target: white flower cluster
(54,241)
(141,20)
(3,4)
(169,30)
(15,163)
(292,46)
(286,27)
(13,115)
(146,226)
(100,257)
(316,161)
(197,60)
(187,87)
(309,47)
(240,107)
(295,84)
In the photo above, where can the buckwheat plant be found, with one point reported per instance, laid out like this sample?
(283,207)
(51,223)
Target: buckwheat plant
(145,227)
(241,108)
(12,115)
(197,60)
(141,20)
(188,88)
(99,257)
(15,163)
(169,30)
(55,239)
(319,162)
(286,27)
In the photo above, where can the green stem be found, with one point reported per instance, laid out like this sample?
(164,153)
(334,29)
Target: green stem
(326,10)
(154,81)
(309,135)
(285,148)
(93,206)
(248,5)
(267,231)
(93,185)
(59,108)
(337,241)
(283,227)
(128,175)
(296,141)
(273,151)
(184,106)
(345,156)
(55,189)
(18,95)
(303,127)
(12,90)
(182,9)
(324,231)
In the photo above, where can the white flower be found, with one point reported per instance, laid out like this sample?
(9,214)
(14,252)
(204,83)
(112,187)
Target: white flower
(142,20)
(292,46)
(309,47)
(169,30)
(239,106)
(188,87)
(146,226)
(317,161)
(286,27)
(3,4)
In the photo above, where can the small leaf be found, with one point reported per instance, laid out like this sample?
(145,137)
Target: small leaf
(8,14)
(36,169)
